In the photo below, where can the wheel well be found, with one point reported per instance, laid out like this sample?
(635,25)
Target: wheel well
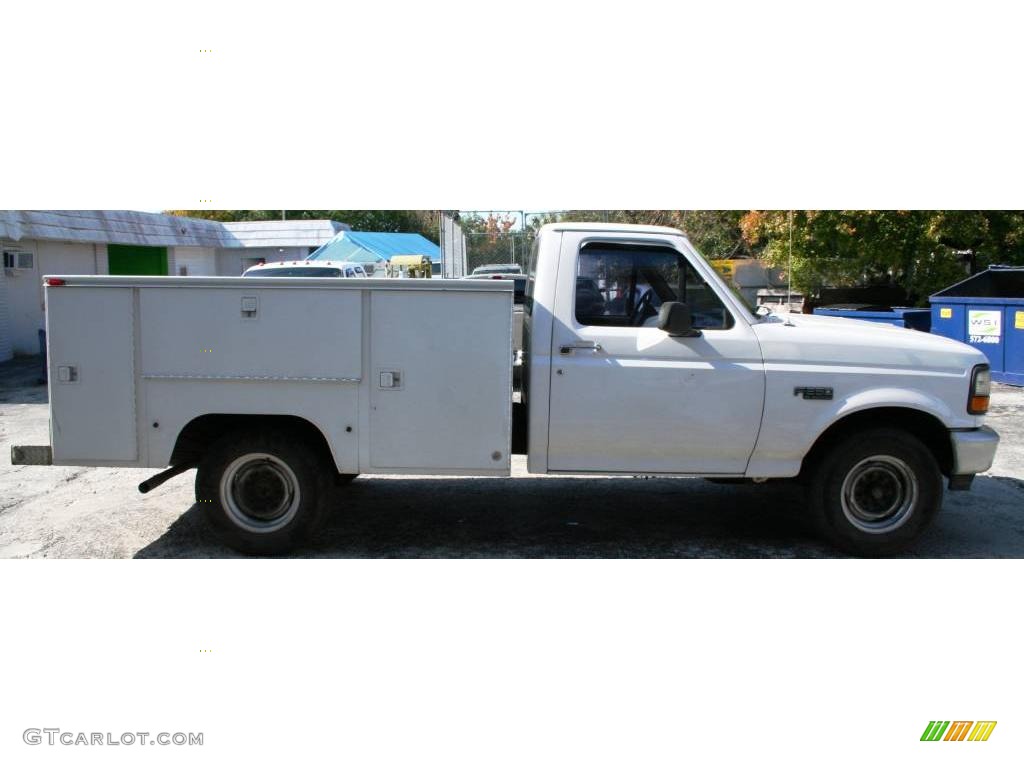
(200,433)
(925,427)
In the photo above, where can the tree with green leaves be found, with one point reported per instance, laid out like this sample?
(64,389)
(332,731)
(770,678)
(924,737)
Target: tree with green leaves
(716,234)
(919,251)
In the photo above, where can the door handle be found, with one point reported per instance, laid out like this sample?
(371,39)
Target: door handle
(593,346)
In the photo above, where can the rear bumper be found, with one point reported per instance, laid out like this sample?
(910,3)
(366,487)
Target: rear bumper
(974,450)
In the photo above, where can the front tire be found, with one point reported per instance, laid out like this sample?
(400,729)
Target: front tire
(262,492)
(875,492)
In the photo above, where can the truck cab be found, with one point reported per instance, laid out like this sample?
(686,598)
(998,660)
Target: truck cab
(869,417)
(607,390)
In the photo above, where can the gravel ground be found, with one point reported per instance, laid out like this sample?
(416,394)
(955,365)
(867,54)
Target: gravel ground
(73,512)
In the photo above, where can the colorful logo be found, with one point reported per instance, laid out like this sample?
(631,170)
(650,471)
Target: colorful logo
(984,326)
(958,730)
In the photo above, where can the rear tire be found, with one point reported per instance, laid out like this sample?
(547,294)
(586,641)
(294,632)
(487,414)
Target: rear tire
(263,492)
(875,492)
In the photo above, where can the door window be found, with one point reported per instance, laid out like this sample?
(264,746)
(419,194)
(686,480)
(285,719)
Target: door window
(625,285)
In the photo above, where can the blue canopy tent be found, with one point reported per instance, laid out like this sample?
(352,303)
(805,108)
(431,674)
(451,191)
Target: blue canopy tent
(374,248)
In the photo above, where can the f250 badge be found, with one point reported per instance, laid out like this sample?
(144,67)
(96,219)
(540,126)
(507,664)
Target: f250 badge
(813,393)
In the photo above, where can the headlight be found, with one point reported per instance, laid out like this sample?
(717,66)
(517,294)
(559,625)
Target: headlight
(981,390)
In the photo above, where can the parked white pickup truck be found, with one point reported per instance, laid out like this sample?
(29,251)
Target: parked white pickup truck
(638,360)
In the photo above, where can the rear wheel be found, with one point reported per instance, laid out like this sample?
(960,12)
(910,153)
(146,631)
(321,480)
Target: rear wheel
(875,492)
(262,492)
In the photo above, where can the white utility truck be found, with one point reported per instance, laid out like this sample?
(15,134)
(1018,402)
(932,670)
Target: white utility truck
(638,359)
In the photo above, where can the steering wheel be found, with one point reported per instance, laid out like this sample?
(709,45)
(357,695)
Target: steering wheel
(645,308)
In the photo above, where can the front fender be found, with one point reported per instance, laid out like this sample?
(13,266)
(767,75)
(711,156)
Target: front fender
(893,397)
(792,424)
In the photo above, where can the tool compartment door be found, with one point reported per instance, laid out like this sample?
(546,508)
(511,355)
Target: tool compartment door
(91,349)
(239,333)
(441,381)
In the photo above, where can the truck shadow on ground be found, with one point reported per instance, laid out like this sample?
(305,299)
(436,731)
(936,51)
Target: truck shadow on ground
(21,381)
(604,518)
(541,518)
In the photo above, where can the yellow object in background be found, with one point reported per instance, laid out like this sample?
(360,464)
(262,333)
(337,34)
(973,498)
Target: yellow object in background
(409,266)
(1018,320)
(724,267)
(947,312)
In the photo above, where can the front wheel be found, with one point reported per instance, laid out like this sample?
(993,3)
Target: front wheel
(876,491)
(263,492)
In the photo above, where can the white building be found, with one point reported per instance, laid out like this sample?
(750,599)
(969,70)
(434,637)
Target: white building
(272,241)
(38,243)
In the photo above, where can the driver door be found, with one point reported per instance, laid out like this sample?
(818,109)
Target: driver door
(626,396)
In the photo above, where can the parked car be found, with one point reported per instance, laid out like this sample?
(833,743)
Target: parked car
(498,269)
(307,269)
(638,360)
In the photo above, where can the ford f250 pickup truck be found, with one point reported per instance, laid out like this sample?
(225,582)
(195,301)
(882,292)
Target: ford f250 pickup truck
(638,359)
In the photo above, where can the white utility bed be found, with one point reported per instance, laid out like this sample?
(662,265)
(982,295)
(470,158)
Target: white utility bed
(401,376)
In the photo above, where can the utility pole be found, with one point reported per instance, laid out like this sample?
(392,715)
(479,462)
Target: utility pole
(789,267)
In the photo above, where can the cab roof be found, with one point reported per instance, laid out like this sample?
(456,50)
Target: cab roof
(576,226)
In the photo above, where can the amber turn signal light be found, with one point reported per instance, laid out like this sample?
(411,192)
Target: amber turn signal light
(981,388)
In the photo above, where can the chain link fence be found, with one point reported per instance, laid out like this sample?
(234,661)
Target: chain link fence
(498,248)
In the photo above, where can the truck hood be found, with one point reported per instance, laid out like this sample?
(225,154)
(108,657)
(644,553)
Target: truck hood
(817,340)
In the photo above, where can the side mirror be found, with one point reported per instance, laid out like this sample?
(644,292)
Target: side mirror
(675,319)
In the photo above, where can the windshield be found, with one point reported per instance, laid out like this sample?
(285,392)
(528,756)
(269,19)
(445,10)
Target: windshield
(743,301)
(740,297)
(296,272)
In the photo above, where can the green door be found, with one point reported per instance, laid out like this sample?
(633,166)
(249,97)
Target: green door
(136,260)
